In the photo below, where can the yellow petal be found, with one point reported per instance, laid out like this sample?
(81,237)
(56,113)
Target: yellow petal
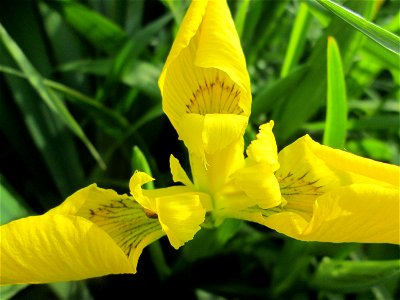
(222,130)
(180,216)
(205,71)
(56,247)
(357,213)
(258,182)
(309,168)
(93,233)
(178,173)
(191,134)
(211,172)
(179,209)
(349,162)
(135,185)
(130,226)
(211,133)
(263,148)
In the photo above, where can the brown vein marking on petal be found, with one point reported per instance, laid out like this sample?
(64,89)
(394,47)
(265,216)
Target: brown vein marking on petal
(215,97)
(150,214)
(124,220)
(299,185)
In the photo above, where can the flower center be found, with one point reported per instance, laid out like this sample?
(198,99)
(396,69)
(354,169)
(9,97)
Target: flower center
(217,96)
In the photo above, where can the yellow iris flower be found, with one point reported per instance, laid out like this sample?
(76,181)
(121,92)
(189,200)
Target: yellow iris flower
(307,191)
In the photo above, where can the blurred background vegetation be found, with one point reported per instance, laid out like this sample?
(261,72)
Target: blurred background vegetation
(79,98)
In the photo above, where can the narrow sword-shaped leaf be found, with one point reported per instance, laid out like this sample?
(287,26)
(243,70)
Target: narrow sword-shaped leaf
(11,206)
(240,16)
(297,39)
(307,96)
(374,32)
(336,112)
(98,30)
(48,96)
(74,96)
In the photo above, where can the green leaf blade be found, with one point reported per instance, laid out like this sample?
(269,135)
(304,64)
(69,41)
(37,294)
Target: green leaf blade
(378,34)
(47,95)
(297,39)
(336,113)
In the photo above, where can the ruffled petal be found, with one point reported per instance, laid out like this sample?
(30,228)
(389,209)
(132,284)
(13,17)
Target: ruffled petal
(135,185)
(180,216)
(205,72)
(263,148)
(56,247)
(179,209)
(258,182)
(357,213)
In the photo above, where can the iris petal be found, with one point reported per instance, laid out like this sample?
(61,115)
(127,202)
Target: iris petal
(263,148)
(56,247)
(205,72)
(93,233)
(178,173)
(179,209)
(259,183)
(356,213)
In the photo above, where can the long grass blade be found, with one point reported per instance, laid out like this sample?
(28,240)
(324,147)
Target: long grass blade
(48,96)
(297,39)
(240,16)
(92,106)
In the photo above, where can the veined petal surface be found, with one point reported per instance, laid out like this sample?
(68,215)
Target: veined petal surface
(335,196)
(205,72)
(356,213)
(56,247)
(93,233)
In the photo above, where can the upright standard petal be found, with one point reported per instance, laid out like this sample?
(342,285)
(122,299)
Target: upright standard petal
(93,233)
(205,72)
